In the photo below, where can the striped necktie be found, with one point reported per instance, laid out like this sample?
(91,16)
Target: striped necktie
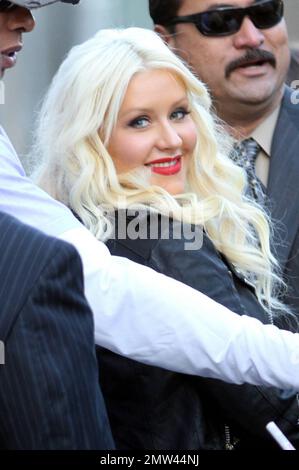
(244,155)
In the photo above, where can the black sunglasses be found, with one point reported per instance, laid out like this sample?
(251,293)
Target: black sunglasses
(227,20)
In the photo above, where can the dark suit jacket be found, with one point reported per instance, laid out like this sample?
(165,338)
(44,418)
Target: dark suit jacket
(283,194)
(49,394)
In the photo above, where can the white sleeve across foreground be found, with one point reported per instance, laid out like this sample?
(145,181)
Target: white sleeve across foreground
(22,199)
(149,317)
(153,319)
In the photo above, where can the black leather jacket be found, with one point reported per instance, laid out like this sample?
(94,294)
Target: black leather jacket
(150,408)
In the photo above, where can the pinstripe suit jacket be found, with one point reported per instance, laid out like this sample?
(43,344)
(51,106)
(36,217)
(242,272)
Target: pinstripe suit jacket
(49,393)
(283,195)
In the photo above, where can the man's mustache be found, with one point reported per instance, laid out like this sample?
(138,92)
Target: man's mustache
(252,55)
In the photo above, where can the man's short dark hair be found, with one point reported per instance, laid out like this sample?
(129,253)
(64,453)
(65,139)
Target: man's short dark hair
(162,11)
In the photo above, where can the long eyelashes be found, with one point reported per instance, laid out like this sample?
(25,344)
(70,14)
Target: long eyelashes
(180,113)
(141,122)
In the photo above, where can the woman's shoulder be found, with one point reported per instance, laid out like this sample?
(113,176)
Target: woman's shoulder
(167,245)
(142,232)
(134,234)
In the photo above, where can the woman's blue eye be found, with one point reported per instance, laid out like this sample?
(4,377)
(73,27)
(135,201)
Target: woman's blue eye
(139,123)
(179,113)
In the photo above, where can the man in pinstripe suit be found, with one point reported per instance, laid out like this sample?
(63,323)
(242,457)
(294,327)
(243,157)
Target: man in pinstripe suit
(246,75)
(49,393)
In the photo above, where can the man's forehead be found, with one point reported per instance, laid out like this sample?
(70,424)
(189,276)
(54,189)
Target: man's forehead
(197,6)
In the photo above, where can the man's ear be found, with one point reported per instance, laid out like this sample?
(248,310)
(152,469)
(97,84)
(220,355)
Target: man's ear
(165,35)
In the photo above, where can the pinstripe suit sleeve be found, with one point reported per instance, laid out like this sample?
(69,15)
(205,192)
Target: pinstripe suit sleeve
(49,394)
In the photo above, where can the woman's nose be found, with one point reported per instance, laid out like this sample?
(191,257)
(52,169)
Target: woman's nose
(168,137)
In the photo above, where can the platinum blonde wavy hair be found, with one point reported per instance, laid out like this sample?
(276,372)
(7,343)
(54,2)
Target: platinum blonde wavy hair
(75,124)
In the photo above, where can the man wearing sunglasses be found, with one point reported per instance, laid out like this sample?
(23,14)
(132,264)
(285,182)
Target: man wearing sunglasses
(239,48)
(138,313)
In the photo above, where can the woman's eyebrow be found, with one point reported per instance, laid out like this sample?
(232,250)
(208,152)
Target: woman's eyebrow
(149,109)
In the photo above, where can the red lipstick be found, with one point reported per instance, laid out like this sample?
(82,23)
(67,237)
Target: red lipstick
(166,166)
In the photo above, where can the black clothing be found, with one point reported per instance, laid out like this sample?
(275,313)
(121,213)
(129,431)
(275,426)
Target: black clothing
(150,408)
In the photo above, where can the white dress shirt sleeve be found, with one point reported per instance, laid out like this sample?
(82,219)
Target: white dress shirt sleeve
(22,199)
(147,316)
(151,318)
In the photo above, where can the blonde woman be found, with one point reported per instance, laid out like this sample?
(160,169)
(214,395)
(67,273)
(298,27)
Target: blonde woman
(128,142)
